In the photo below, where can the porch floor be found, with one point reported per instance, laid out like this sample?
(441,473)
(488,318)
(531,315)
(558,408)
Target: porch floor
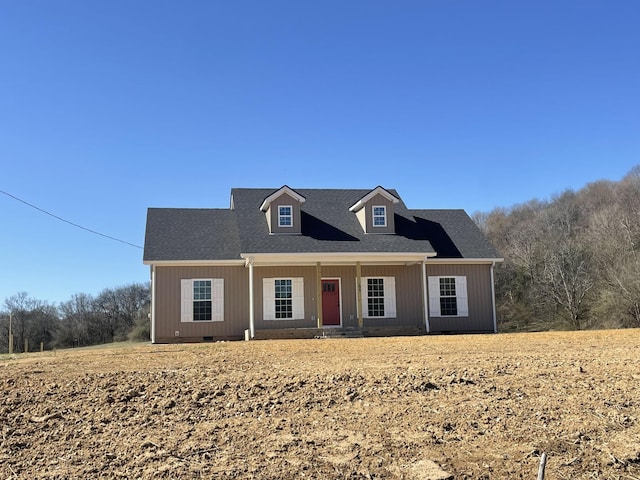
(343,332)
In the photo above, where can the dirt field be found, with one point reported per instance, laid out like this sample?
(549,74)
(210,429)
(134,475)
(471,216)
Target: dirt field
(484,406)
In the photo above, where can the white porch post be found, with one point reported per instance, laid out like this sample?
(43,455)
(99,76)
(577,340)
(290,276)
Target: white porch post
(359,294)
(319,294)
(252,328)
(425,296)
(153,304)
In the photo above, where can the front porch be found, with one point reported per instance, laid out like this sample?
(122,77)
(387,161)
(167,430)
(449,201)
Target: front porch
(346,332)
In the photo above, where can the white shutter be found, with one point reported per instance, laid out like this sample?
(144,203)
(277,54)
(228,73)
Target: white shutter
(461,296)
(365,296)
(297,291)
(434,296)
(389,297)
(217,299)
(268,299)
(186,300)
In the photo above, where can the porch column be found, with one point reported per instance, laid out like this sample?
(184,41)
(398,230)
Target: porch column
(252,328)
(153,305)
(425,296)
(319,293)
(359,293)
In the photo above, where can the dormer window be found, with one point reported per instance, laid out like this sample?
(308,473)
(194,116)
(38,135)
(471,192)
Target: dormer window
(285,216)
(379,216)
(375,211)
(283,211)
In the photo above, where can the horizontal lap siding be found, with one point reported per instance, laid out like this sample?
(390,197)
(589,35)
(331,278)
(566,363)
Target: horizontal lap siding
(168,296)
(479,296)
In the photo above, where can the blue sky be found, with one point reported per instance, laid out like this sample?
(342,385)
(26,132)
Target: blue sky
(110,107)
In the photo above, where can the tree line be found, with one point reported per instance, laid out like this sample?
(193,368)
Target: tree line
(115,314)
(572,262)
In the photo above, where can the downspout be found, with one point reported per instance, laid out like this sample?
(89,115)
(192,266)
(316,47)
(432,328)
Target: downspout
(493,300)
(153,304)
(425,296)
(359,294)
(252,328)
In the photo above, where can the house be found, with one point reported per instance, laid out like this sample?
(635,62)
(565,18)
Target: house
(296,263)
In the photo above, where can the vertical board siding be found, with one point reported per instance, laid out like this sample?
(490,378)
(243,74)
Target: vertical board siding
(408,295)
(168,302)
(310,309)
(348,306)
(284,199)
(479,298)
(379,200)
(409,298)
(409,311)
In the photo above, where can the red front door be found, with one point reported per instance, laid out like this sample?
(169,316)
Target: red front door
(331,302)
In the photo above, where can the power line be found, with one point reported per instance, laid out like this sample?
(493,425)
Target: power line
(67,221)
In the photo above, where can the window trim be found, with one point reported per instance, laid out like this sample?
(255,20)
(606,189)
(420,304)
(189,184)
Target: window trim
(462,299)
(282,216)
(389,296)
(187,300)
(374,216)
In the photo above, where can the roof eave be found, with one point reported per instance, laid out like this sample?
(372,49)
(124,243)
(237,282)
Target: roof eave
(336,258)
(284,189)
(185,263)
(478,260)
(378,190)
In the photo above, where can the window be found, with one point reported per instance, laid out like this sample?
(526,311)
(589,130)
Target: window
(285,216)
(448,303)
(379,216)
(375,297)
(448,297)
(283,298)
(202,300)
(379,297)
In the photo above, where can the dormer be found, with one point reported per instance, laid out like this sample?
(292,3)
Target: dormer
(375,211)
(282,209)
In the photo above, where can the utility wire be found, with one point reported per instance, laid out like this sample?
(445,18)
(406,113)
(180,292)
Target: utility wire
(67,221)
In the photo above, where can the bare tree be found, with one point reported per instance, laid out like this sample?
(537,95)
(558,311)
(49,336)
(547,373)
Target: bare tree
(117,310)
(33,321)
(569,280)
(76,316)
(574,256)
(20,306)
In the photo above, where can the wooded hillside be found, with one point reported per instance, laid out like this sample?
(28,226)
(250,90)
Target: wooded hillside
(571,261)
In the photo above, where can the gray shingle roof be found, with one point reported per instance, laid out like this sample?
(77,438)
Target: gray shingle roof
(191,234)
(327,227)
(454,234)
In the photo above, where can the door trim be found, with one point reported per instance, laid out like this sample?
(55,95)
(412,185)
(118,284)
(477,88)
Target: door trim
(339,300)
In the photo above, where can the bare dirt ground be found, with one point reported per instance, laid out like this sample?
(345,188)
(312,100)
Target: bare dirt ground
(483,406)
